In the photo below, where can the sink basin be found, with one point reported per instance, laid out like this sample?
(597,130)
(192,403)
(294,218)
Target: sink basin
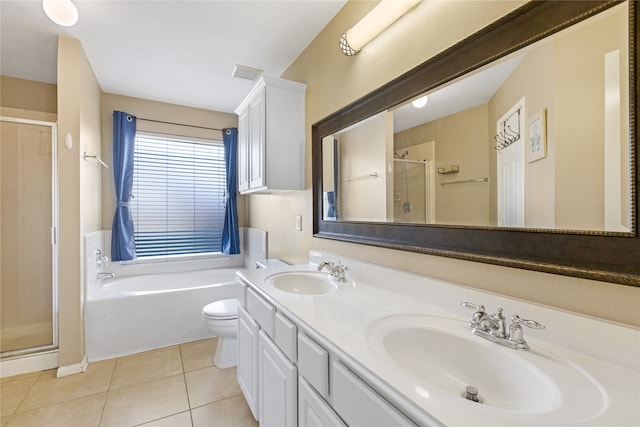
(438,354)
(303,283)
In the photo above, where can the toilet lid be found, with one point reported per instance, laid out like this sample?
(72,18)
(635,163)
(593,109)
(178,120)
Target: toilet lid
(223,309)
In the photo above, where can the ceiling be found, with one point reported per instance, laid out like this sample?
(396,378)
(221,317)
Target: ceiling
(180,52)
(466,92)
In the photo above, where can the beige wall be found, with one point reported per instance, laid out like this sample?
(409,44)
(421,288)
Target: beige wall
(579,198)
(153,110)
(28,94)
(336,80)
(532,80)
(79,100)
(363,151)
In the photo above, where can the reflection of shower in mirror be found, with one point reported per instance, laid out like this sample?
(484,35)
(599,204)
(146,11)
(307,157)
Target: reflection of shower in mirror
(411,186)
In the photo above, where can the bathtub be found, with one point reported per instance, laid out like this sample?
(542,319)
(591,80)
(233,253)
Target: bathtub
(133,314)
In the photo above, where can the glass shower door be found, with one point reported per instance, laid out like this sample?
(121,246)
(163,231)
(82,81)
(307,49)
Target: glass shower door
(27,217)
(410,183)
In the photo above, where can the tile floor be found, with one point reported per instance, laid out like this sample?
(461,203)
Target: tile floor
(170,387)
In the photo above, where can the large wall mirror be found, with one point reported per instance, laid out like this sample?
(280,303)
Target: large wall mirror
(516,147)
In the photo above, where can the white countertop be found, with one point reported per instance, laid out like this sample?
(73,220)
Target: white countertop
(606,354)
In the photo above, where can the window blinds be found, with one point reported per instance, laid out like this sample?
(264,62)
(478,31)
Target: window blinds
(178,195)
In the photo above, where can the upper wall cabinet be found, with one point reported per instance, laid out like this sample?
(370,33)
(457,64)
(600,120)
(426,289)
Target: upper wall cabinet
(271,137)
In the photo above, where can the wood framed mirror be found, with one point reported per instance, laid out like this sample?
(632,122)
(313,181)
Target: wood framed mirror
(604,253)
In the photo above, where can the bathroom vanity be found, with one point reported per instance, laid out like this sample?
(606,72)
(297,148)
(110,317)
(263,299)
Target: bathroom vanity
(387,347)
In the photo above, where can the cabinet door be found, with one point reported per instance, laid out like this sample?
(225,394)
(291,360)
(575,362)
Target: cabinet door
(257,141)
(243,151)
(278,386)
(359,405)
(312,410)
(247,371)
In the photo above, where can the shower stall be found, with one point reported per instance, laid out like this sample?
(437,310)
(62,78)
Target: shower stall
(28,256)
(412,191)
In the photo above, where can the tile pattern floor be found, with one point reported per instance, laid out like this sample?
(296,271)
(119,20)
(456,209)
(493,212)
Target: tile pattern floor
(170,387)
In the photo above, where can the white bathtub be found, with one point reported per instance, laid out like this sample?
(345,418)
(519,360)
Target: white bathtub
(132,314)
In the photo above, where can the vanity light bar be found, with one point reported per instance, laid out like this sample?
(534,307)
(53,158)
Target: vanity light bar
(375,22)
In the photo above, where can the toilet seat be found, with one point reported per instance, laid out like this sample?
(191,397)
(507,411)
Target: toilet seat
(223,309)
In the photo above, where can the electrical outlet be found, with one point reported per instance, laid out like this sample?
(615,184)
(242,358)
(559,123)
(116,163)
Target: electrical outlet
(298,222)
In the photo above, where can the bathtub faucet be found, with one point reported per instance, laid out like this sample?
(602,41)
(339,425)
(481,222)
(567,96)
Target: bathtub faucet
(106,276)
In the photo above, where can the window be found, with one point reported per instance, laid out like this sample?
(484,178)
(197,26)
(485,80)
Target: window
(178,195)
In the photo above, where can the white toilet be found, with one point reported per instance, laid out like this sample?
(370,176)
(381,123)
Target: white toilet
(221,319)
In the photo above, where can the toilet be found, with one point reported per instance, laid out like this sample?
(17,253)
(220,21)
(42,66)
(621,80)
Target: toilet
(221,319)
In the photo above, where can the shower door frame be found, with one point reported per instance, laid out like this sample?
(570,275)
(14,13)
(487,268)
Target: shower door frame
(54,240)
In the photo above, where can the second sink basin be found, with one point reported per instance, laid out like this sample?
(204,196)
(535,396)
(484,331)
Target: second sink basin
(303,283)
(440,355)
(452,363)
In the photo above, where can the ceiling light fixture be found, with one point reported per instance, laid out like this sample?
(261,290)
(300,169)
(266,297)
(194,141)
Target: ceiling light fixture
(379,19)
(62,12)
(420,102)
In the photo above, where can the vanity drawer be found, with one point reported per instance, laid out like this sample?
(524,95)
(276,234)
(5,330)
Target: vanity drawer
(313,364)
(286,333)
(359,405)
(262,311)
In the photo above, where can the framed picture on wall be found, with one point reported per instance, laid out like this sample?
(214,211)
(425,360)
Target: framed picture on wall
(537,132)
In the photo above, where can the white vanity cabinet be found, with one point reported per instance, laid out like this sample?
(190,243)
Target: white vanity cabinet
(313,411)
(271,137)
(267,374)
(301,380)
(247,369)
(278,385)
(359,405)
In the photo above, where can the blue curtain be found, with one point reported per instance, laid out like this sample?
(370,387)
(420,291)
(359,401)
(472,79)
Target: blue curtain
(230,234)
(123,247)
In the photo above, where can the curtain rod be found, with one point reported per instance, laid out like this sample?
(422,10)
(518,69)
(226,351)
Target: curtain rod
(177,124)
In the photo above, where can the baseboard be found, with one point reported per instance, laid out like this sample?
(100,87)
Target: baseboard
(29,363)
(77,368)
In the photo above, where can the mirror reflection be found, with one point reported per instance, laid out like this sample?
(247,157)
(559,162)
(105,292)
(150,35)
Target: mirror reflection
(506,146)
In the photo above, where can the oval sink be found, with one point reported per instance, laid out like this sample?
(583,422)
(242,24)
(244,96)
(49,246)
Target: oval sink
(441,353)
(452,363)
(303,283)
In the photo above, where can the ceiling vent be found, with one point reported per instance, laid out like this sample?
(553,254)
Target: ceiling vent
(244,72)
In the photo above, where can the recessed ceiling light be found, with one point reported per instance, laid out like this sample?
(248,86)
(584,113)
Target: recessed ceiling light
(62,12)
(420,102)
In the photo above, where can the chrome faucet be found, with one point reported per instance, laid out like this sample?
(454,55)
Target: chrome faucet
(336,272)
(493,327)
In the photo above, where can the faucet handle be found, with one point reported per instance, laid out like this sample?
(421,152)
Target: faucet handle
(477,308)
(516,335)
(480,319)
(517,320)
(100,259)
